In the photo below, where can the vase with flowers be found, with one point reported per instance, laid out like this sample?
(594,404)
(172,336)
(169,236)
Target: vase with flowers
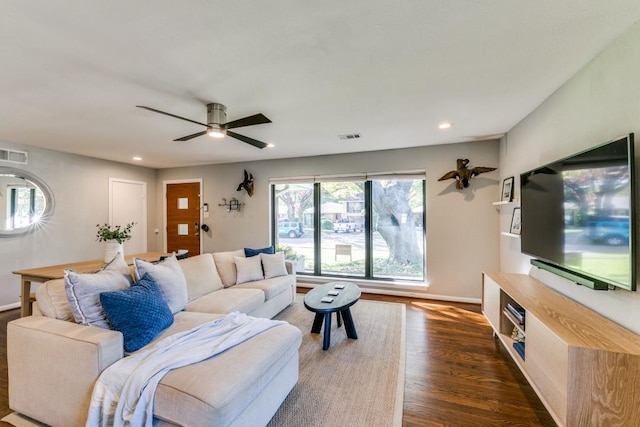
(114,238)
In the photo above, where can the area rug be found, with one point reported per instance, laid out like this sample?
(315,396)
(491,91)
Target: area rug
(355,382)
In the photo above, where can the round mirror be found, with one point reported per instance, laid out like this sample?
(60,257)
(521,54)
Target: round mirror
(26,202)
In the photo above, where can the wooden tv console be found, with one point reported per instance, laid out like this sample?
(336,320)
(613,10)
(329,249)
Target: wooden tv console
(584,367)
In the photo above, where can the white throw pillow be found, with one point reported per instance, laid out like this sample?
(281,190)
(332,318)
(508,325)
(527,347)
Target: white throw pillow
(169,277)
(249,269)
(273,265)
(226,266)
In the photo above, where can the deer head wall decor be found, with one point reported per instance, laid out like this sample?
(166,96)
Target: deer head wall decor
(247,183)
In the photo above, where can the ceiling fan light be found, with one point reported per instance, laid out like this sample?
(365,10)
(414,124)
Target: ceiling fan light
(216,132)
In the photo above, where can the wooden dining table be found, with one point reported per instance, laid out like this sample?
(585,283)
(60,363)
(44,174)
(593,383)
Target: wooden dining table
(42,274)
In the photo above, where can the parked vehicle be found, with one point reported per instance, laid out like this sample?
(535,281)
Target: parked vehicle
(291,229)
(611,231)
(346,226)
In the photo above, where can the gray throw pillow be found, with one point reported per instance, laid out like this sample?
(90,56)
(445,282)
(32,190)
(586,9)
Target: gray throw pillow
(169,277)
(83,290)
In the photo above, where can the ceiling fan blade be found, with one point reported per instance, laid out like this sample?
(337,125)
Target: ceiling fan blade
(256,119)
(246,139)
(188,137)
(170,115)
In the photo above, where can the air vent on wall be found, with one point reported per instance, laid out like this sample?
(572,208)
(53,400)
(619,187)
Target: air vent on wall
(13,156)
(349,136)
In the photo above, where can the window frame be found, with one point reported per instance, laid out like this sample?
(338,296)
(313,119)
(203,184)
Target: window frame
(368,232)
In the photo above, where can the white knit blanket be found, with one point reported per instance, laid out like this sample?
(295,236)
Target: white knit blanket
(123,394)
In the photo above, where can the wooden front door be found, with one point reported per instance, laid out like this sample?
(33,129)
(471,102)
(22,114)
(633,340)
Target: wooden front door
(183,218)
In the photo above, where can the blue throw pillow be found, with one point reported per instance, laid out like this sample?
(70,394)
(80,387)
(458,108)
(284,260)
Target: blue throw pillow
(139,312)
(248,252)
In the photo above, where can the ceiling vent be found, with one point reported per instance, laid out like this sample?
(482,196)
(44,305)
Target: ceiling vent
(349,136)
(13,156)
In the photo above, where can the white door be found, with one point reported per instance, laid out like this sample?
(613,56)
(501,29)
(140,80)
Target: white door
(128,203)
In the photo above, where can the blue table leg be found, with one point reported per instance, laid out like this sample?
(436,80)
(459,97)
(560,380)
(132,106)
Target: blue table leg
(349,327)
(327,331)
(317,323)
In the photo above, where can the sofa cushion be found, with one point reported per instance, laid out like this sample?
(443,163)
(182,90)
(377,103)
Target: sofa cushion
(52,300)
(139,312)
(248,252)
(226,266)
(201,275)
(273,265)
(169,277)
(228,300)
(248,269)
(183,321)
(270,287)
(240,375)
(83,290)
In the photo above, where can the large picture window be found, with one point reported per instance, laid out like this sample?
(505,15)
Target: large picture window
(366,227)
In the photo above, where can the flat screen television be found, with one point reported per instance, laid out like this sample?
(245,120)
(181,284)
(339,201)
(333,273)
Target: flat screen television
(577,216)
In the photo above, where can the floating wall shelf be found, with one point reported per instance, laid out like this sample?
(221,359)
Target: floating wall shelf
(513,202)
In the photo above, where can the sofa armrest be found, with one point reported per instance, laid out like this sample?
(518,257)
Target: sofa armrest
(291,267)
(53,365)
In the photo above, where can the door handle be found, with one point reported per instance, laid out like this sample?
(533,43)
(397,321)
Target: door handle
(197,228)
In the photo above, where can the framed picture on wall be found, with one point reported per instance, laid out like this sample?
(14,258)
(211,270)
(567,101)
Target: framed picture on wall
(507,190)
(516,224)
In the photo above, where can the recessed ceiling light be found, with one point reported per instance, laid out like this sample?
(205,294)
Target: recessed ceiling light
(137,158)
(444,125)
(270,145)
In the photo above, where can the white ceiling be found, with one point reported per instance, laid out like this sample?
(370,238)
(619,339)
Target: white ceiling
(72,72)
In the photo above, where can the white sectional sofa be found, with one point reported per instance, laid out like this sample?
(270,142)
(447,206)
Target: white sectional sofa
(53,361)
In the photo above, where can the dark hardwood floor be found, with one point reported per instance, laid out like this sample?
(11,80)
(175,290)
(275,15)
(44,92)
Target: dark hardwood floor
(456,373)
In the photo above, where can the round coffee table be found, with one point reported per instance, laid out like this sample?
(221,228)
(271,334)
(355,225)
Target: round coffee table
(347,296)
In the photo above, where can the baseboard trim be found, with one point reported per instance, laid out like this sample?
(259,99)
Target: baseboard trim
(10,306)
(403,293)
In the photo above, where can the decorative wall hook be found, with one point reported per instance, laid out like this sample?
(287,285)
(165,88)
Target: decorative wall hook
(462,175)
(232,205)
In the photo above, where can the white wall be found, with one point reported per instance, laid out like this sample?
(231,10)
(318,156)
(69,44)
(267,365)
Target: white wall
(462,226)
(598,104)
(80,186)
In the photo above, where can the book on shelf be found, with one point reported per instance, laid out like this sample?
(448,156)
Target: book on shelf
(519,347)
(517,312)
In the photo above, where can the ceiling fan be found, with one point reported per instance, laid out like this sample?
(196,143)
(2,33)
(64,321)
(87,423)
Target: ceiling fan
(217,125)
